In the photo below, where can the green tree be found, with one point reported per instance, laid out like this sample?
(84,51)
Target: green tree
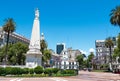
(43,45)
(90,59)
(16,53)
(116,52)
(8,27)
(118,42)
(18,50)
(2,53)
(115,16)
(109,44)
(118,45)
(13,60)
(80,60)
(85,63)
(47,56)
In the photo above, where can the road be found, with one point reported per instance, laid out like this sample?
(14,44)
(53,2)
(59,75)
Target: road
(83,76)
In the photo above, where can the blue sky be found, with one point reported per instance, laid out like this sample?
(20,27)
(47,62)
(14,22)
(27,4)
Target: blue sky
(78,23)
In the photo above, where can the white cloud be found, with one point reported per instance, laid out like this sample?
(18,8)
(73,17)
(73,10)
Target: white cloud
(83,52)
(91,50)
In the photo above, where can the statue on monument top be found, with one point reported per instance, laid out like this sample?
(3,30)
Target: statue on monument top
(37,13)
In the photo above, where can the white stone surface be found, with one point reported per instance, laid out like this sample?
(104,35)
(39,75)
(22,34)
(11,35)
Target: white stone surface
(33,56)
(35,37)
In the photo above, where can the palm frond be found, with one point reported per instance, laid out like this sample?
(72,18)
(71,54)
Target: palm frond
(9,25)
(115,16)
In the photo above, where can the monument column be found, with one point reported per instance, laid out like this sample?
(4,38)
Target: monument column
(34,56)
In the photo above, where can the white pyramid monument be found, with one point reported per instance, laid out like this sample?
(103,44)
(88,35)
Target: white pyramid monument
(34,56)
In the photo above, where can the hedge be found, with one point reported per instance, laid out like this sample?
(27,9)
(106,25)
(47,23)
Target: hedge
(8,70)
(16,71)
(2,70)
(55,70)
(31,71)
(38,70)
(25,70)
(68,71)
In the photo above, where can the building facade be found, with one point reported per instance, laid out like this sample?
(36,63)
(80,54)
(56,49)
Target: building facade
(102,52)
(68,59)
(54,58)
(14,37)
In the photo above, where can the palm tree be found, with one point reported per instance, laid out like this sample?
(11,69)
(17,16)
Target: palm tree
(8,27)
(109,44)
(115,16)
(43,45)
(47,56)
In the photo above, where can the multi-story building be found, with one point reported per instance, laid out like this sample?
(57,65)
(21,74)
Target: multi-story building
(102,52)
(14,37)
(60,47)
(54,58)
(73,53)
(68,59)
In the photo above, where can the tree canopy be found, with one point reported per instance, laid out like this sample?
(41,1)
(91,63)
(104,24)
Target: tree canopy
(16,53)
(115,16)
(45,52)
(116,52)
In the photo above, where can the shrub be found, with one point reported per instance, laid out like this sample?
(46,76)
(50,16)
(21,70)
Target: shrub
(8,70)
(16,71)
(63,71)
(68,71)
(2,71)
(104,66)
(55,70)
(38,70)
(31,71)
(25,70)
(48,71)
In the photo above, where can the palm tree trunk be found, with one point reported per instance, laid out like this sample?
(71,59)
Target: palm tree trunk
(6,49)
(110,56)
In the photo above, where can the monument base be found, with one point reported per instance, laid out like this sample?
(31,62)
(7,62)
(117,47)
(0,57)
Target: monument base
(33,59)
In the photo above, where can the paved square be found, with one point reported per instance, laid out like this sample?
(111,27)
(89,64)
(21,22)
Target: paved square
(83,76)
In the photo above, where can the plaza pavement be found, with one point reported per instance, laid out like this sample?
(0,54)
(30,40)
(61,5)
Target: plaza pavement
(83,76)
(98,76)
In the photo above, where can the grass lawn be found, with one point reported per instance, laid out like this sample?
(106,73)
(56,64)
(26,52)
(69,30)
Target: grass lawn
(100,71)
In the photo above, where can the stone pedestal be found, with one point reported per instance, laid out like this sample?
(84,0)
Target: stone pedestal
(33,59)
